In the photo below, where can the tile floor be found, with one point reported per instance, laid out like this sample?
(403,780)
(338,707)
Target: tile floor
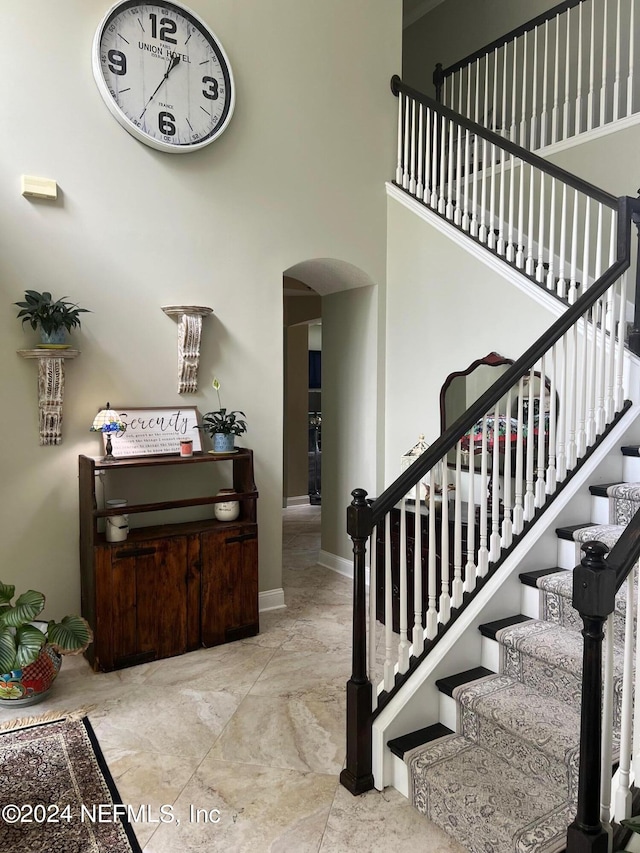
(254,729)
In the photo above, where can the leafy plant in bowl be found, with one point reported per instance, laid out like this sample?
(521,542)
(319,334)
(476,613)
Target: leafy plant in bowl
(222,426)
(30,650)
(53,317)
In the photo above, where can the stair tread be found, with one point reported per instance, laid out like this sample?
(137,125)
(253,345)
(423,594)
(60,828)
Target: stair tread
(404,743)
(501,804)
(630,450)
(447,684)
(490,629)
(531,578)
(600,490)
(568,530)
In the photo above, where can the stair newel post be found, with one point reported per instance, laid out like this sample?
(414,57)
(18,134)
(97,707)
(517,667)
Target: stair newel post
(634,335)
(438,81)
(357,776)
(594,586)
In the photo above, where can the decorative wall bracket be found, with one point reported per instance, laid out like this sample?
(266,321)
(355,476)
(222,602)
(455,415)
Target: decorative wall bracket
(189,335)
(50,389)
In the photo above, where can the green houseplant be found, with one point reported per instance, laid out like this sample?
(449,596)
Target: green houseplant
(222,425)
(53,317)
(30,650)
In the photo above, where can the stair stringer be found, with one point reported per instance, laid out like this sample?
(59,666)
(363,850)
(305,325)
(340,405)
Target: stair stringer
(416,705)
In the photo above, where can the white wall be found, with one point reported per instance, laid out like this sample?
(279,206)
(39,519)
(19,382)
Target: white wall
(445,309)
(298,174)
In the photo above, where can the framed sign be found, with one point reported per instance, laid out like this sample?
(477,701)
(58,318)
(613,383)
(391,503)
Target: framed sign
(155,431)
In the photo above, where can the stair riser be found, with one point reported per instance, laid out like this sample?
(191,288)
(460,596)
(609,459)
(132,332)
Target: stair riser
(599,509)
(631,469)
(569,554)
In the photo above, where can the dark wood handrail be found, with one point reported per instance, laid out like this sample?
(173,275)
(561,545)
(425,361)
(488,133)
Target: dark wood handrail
(448,440)
(397,87)
(549,15)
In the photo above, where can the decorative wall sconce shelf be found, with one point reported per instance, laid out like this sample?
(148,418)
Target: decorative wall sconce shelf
(50,389)
(189,335)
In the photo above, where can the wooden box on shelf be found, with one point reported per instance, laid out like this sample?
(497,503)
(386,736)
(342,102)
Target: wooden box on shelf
(170,588)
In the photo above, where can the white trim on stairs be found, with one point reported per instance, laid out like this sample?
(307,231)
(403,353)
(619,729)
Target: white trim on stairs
(479,251)
(589,135)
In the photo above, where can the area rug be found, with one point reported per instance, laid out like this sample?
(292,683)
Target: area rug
(56,792)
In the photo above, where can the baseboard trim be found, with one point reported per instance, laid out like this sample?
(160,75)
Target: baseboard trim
(340,565)
(298,500)
(271,599)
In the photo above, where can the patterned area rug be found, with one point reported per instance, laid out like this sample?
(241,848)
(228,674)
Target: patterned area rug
(56,792)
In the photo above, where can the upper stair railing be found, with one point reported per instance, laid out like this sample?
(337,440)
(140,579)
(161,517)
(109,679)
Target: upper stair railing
(437,534)
(568,71)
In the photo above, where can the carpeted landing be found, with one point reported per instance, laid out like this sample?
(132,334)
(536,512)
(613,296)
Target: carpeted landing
(506,782)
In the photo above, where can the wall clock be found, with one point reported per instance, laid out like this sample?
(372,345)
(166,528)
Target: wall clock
(163,74)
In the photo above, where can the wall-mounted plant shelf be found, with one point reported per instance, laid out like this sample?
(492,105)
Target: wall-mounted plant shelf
(189,335)
(50,389)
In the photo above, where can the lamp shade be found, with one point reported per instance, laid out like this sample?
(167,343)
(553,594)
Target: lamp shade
(107,420)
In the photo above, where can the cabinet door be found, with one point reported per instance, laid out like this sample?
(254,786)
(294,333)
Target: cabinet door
(229,584)
(149,583)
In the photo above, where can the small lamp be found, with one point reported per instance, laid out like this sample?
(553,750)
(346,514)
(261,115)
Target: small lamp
(108,421)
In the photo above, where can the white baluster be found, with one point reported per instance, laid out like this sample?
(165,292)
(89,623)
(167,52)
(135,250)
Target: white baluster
(623,796)
(511,252)
(539,495)
(578,116)
(445,598)
(388,608)
(457,588)
(432,613)
(483,551)
(520,246)
(631,59)
(606,758)
(603,84)
(491,236)
(507,524)
(601,411)
(567,79)
(610,400)
(616,82)
(399,165)
(474,198)
(534,93)
(572,375)
(562,283)
(530,265)
(581,435)
(541,211)
(412,178)
(622,322)
(514,88)
(518,509)
(434,161)
(403,645)
(500,245)
(592,63)
(443,163)
(590,426)
(561,458)
(407,135)
(551,283)
(457,214)
(418,630)
(420,184)
(586,246)
(556,83)
(636,691)
(553,411)
(494,541)
(449,209)
(466,220)
(529,495)
(523,105)
(574,251)
(503,118)
(545,84)
(373,586)
(470,566)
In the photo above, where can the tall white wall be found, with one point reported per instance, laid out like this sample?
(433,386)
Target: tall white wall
(297,175)
(445,309)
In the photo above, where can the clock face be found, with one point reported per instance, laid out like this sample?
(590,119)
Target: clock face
(163,74)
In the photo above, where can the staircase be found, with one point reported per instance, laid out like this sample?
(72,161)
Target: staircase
(474,688)
(500,772)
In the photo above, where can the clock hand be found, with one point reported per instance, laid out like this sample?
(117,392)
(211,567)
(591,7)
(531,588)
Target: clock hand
(175,59)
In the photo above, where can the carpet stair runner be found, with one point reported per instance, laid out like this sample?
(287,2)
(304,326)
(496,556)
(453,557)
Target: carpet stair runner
(506,780)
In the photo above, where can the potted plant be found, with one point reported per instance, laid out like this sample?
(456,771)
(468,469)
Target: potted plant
(30,650)
(223,426)
(54,318)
